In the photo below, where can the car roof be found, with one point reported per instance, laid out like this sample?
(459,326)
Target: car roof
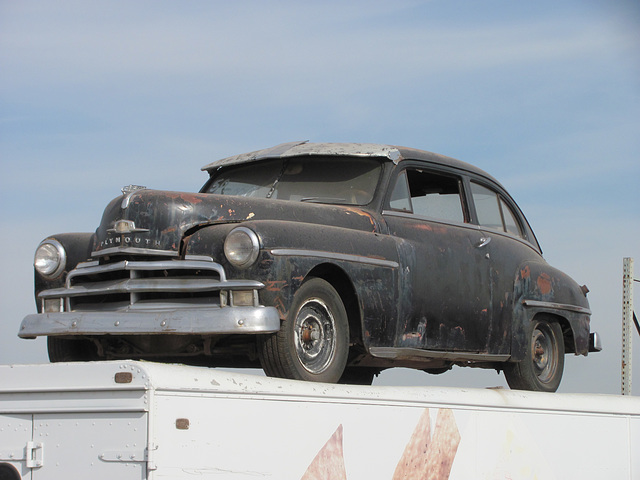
(392,153)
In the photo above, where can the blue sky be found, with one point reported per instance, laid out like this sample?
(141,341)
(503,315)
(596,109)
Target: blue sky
(545,96)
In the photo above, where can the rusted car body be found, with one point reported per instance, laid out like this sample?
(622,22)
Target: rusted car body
(325,262)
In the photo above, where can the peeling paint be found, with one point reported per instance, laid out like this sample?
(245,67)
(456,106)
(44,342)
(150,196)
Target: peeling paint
(544,284)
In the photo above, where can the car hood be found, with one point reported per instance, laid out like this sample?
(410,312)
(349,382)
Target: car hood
(155,221)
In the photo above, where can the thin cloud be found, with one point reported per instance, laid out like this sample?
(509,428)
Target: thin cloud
(83,46)
(544,97)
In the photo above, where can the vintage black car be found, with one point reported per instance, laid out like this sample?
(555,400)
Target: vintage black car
(322,262)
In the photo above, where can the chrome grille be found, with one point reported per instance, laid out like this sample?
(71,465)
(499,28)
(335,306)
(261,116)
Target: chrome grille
(163,284)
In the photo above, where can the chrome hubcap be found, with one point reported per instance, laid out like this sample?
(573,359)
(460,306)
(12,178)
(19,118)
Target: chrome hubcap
(314,335)
(543,348)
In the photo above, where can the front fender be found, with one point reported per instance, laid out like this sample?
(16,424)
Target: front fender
(291,250)
(540,289)
(78,247)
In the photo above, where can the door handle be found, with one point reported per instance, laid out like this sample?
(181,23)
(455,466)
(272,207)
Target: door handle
(484,241)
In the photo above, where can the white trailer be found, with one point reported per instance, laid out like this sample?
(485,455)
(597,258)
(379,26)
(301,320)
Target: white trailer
(136,420)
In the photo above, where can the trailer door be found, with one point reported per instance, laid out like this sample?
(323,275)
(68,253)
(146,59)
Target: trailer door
(96,445)
(15,443)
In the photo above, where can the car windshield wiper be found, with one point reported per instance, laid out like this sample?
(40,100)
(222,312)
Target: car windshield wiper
(324,200)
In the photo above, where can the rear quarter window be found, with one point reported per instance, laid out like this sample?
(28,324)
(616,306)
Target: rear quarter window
(493,212)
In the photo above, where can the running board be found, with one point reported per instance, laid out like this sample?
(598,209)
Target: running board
(416,353)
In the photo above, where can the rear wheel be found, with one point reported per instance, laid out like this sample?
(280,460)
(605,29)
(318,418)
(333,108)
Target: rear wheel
(542,366)
(71,350)
(313,341)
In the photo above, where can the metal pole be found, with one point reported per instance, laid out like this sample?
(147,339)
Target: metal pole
(627,318)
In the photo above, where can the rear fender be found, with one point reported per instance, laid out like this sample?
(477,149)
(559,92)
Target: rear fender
(543,290)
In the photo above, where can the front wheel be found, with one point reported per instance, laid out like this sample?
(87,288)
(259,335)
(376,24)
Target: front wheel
(71,350)
(313,341)
(542,366)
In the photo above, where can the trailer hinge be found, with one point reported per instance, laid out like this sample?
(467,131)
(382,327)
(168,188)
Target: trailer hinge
(35,454)
(128,456)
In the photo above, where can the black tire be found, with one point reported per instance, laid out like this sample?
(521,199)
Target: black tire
(313,341)
(438,371)
(358,375)
(543,363)
(71,350)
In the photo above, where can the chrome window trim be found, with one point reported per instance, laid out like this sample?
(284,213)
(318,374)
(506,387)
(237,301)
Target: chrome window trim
(414,216)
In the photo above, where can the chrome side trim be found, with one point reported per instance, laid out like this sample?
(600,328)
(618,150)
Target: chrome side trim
(334,256)
(203,321)
(405,353)
(556,306)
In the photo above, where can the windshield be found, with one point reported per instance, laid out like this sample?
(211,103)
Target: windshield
(349,181)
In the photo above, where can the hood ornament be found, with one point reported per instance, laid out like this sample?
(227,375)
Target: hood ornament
(131,188)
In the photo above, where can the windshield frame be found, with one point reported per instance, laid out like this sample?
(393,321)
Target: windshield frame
(361,190)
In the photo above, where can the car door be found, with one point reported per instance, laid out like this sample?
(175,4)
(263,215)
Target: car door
(444,279)
(510,245)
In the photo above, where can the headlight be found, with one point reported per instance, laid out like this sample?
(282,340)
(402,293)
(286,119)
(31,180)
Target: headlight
(50,259)
(241,247)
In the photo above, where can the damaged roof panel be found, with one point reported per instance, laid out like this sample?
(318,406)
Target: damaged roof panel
(304,148)
(293,149)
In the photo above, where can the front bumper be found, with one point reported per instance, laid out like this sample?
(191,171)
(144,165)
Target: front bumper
(183,297)
(183,321)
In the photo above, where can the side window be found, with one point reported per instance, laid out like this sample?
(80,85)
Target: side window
(400,198)
(428,194)
(493,212)
(510,223)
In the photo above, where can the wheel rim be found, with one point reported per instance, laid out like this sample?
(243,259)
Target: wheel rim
(544,353)
(314,333)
